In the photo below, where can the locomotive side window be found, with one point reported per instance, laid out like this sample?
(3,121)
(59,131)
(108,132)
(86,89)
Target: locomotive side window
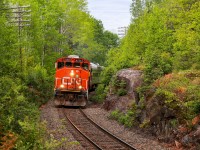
(60,65)
(68,64)
(85,66)
(77,65)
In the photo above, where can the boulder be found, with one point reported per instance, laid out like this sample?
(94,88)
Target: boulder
(133,81)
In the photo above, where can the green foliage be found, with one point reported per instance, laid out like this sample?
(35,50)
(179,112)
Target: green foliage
(13,104)
(169,98)
(193,96)
(144,124)
(15,109)
(29,135)
(110,40)
(118,86)
(194,106)
(107,74)
(155,67)
(32,137)
(174,123)
(180,93)
(121,92)
(40,85)
(115,114)
(137,8)
(126,119)
(98,44)
(162,38)
(100,94)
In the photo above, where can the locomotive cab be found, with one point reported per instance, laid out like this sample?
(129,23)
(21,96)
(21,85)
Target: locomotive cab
(72,81)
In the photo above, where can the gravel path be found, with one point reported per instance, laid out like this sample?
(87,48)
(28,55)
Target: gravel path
(58,133)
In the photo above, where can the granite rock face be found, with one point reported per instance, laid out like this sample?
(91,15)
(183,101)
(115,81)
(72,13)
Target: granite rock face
(133,80)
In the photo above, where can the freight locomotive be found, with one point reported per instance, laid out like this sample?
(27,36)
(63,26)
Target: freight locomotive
(73,80)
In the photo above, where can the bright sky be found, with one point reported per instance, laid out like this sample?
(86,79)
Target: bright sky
(113,13)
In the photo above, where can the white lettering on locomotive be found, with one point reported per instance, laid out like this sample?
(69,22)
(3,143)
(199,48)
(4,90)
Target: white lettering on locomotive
(71,81)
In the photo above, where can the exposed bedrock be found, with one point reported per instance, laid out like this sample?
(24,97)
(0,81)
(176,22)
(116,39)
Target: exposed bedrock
(132,80)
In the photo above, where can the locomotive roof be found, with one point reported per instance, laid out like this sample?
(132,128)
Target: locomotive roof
(72,59)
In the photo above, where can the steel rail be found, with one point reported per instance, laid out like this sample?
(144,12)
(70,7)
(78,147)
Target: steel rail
(108,133)
(94,144)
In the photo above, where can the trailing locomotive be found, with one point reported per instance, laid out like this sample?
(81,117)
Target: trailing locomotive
(73,80)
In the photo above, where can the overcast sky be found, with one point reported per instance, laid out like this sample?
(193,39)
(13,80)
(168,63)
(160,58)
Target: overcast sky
(113,13)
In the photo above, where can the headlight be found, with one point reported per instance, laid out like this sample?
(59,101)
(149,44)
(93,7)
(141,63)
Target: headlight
(72,73)
(80,87)
(77,76)
(62,86)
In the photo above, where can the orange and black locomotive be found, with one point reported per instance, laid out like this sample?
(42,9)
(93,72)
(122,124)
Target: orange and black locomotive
(73,80)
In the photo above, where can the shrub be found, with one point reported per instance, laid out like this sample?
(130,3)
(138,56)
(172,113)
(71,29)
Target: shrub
(121,92)
(126,119)
(118,86)
(100,94)
(40,85)
(180,92)
(115,114)
(18,115)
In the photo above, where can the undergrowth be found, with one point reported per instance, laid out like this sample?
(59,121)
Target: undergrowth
(127,118)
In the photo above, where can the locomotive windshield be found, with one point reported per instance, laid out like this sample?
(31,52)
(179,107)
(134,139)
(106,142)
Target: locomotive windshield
(77,65)
(85,66)
(68,64)
(60,65)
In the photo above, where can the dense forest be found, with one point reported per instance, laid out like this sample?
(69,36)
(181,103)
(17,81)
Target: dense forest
(163,38)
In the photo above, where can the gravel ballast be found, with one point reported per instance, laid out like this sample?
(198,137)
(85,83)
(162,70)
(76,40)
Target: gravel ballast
(57,129)
(139,140)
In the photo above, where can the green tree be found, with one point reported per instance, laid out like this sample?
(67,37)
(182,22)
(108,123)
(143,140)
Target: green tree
(161,40)
(110,40)
(137,7)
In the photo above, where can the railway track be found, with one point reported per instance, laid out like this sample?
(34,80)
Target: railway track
(91,135)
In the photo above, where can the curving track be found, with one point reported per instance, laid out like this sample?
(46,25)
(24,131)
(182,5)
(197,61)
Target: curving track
(92,135)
